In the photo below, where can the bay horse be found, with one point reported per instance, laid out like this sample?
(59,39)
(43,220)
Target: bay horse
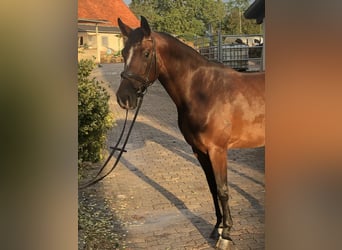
(218,107)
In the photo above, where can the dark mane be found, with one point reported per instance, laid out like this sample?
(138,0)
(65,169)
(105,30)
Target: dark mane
(189,52)
(183,50)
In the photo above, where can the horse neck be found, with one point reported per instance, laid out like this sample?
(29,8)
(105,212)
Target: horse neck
(176,63)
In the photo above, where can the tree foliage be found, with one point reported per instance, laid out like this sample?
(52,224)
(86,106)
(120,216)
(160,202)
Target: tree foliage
(234,21)
(179,17)
(188,18)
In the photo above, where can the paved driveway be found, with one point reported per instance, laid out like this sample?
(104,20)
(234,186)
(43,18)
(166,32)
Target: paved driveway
(159,192)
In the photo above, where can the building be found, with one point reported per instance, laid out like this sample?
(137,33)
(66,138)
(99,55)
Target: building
(98,33)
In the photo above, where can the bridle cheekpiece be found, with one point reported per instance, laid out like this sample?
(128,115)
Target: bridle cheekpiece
(145,80)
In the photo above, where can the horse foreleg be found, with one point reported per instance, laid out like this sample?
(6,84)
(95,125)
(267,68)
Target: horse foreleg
(208,170)
(218,158)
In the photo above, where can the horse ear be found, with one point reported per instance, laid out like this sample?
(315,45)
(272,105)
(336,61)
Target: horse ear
(145,26)
(125,30)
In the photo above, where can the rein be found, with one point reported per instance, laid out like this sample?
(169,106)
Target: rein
(96,179)
(141,91)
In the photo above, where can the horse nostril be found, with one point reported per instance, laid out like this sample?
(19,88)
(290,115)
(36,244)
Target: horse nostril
(124,101)
(120,101)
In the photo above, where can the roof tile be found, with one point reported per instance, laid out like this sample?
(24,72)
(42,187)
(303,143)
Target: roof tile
(109,10)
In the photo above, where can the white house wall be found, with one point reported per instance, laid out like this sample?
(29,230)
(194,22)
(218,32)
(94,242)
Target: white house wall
(114,44)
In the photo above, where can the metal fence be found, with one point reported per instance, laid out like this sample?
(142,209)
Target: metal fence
(241,52)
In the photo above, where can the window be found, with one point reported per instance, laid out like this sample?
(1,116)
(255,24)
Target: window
(91,41)
(81,40)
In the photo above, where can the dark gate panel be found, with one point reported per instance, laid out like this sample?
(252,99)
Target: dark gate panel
(241,52)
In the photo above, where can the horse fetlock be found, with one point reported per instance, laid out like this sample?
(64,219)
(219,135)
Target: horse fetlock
(219,218)
(215,234)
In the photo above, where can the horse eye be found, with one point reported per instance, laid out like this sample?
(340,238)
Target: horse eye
(146,54)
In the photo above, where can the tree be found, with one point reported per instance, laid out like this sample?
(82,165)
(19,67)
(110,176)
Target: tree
(234,21)
(145,8)
(183,18)
(188,18)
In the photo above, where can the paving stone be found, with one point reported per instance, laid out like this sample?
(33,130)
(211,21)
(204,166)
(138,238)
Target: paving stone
(159,191)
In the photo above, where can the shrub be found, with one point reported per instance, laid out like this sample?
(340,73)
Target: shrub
(94,117)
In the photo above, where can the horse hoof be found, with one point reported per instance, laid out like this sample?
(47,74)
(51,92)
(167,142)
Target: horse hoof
(223,244)
(225,234)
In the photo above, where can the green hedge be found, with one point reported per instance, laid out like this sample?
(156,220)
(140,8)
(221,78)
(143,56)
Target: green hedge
(94,117)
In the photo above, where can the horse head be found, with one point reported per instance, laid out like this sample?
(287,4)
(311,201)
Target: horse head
(140,59)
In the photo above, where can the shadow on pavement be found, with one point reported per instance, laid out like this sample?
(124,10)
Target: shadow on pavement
(144,132)
(202,225)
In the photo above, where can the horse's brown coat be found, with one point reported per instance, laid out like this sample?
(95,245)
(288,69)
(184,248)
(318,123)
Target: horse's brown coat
(218,108)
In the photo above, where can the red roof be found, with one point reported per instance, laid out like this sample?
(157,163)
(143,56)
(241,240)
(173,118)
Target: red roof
(109,10)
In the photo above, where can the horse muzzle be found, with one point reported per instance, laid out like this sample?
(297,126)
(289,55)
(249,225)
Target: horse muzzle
(127,101)
(127,96)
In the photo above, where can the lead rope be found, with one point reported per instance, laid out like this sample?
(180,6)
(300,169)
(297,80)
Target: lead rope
(115,148)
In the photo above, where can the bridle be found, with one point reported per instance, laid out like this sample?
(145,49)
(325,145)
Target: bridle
(141,91)
(145,79)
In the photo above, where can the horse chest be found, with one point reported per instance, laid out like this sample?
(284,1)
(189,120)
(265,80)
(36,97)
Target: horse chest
(203,132)
(190,129)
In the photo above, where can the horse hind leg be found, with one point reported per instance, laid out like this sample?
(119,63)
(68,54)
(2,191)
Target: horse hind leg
(208,170)
(218,158)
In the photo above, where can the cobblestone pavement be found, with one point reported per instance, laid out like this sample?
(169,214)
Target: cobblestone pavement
(159,192)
